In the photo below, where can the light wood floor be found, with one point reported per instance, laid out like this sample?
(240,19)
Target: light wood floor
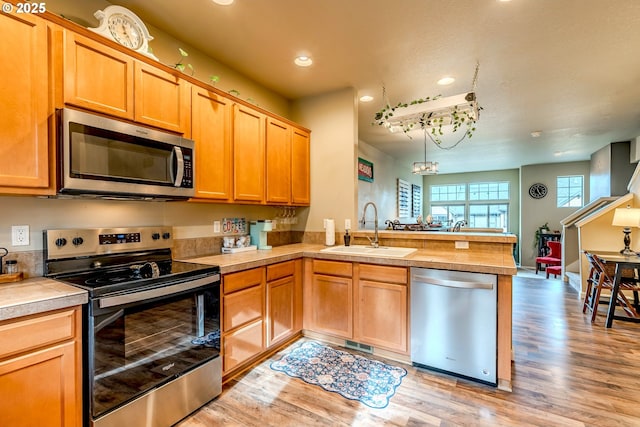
(567,372)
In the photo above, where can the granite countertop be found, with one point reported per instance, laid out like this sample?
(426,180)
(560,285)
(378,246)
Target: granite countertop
(37,295)
(463,260)
(41,294)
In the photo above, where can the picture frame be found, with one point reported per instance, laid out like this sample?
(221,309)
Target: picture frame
(365,170)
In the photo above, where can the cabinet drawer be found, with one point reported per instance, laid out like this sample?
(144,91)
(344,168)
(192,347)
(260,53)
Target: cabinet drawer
(243,279)
(384,273)
(277,271)
(333,268)
(242,345)
(242,307)
(36,331)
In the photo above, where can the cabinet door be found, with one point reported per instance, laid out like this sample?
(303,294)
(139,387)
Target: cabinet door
(382,315)
(161,99)
(300,169)
(242,344)
(280,309)
(39,389)
(97,77)
(210,129)
(242,307)
(278,165)
(332,305)
(248,154)
(25,94)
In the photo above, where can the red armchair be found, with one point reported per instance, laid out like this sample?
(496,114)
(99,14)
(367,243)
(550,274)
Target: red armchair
(554,257)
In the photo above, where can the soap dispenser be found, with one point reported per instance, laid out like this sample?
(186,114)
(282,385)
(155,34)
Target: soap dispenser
(347,238)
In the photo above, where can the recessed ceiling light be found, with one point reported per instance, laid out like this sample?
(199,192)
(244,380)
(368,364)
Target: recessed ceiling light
(446,81)
(366,98)
(223,2)
(303,61)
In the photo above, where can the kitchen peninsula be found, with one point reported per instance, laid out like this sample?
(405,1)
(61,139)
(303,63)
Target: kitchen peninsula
(336,314)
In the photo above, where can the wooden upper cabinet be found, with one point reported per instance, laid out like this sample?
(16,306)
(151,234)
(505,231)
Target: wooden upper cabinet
(278,165)
(25,166)
(248,154)
(102,79)
(97,77)
(161,99)
(211,131)
(300,167)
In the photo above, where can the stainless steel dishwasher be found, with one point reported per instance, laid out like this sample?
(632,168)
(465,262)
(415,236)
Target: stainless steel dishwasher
(454,323)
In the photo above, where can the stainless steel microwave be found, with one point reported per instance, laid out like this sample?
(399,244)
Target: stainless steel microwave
(103,157)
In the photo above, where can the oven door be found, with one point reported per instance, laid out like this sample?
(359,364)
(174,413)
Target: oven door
(139,341)
(105,156)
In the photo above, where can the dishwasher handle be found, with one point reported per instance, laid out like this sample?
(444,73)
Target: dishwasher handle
(460,284)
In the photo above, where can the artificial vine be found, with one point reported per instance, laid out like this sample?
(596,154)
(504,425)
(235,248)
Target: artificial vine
(425,121)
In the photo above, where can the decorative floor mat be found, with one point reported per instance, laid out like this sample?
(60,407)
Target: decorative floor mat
(354,377)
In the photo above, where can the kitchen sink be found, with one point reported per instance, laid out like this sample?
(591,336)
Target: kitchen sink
(382,251)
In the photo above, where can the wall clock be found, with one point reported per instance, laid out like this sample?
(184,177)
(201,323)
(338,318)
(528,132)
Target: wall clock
(538,190)
(125,28)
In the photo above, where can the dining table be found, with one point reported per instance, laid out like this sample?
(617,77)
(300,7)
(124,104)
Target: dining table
(621,262)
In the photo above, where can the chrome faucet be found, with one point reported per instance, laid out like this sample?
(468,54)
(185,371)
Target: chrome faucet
(374,241)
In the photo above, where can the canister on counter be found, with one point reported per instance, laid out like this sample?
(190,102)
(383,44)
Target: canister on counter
(11,266)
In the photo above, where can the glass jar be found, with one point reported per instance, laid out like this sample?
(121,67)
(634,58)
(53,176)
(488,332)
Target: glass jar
(11,266)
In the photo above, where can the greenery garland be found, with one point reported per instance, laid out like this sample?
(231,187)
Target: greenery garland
(458,118)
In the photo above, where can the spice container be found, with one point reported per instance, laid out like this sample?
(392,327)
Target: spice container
(11,266)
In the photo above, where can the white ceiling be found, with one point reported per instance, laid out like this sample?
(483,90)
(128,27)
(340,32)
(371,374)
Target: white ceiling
(568,68)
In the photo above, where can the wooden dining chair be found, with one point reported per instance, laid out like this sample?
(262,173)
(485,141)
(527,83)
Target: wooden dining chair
(601,277)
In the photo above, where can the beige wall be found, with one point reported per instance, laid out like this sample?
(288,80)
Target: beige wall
(535,212)
(333,119)
(383,190)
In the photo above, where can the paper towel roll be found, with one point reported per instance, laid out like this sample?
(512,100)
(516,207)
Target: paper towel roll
(330,232)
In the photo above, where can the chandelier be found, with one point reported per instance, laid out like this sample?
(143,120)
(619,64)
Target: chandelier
(425,168)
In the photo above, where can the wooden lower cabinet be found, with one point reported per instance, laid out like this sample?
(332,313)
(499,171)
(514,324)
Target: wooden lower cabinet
(284,301)
(331,298)
(243,331)
(362,302)
(242,344)
(382,315)
(40,370)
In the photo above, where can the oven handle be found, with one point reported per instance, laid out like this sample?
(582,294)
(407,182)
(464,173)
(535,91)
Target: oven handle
(156,292)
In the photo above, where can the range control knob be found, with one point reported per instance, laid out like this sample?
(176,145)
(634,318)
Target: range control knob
(60,242)
(77,241)
(155,236)
(166,235)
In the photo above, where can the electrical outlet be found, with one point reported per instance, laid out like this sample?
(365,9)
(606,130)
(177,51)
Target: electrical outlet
(216,226)
(347,224)
(20,235)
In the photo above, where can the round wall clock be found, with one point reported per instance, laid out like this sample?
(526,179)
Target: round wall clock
(125,28)
(538,190)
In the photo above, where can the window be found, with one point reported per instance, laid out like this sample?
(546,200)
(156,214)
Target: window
(489,216)
(480,204)
(443,193)
(570,191)
(489,191)
(447,214)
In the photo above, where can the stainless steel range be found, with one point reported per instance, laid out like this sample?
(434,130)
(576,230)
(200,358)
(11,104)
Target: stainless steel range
(151,328)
